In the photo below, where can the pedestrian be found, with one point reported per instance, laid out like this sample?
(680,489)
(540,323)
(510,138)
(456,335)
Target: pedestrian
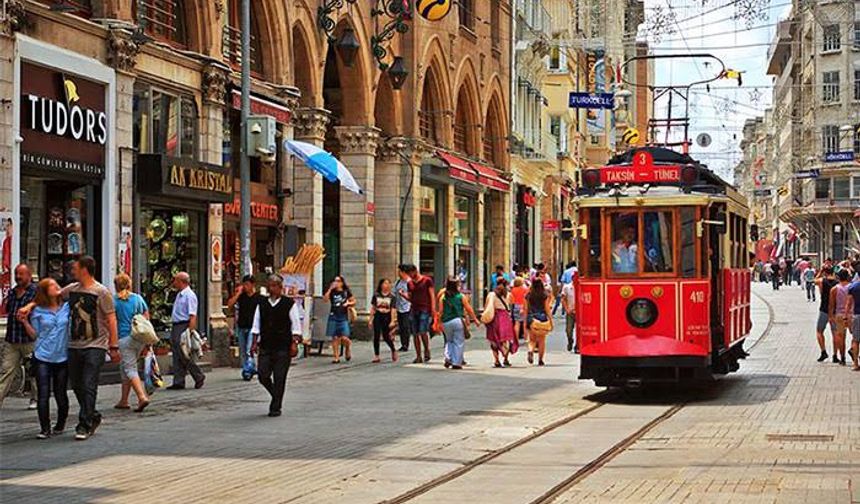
(276,330)
(404,307)
(500,326)
(518,301)
(184,318)
(48,324)
(776,276)
(93,334)
(383,318)
(841,306)
(128,304)
(19,345)
(854,291)
(788,268)
(539,313)
(497,275)
(825,283)
(422,294)
(337,328)
(768,272)
(758,270)
(809,282)
(568,301)
(566,277)
(245,299)
(454,312)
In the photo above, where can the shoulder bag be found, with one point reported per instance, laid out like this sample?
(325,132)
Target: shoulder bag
(142,330)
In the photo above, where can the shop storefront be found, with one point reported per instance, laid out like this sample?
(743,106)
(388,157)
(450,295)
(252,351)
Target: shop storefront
(265,215)
(525,227)
(172,225)
(63,172)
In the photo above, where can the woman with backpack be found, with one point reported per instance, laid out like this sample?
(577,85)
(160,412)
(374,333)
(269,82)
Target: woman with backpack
(454,313)
(538,319)
(499,323)
(128,304)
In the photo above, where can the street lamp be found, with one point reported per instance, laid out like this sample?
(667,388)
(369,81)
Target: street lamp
(347,47)
(398,73)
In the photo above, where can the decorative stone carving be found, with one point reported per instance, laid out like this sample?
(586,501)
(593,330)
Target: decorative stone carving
(219,8)
(122,49)
(358,139)
(400,149)
(310,123)
(216,75)
(16,17)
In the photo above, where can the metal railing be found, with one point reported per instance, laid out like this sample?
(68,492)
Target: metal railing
(231,48)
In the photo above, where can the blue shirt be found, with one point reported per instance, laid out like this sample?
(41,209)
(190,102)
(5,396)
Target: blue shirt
(494,279)
(126,309)
(854,290)
(52,333)
(567,276)
(184,306)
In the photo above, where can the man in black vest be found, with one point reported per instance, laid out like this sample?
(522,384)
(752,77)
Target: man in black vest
(276,322)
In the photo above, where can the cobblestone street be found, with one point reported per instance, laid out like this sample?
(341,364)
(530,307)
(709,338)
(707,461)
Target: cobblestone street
(783,429)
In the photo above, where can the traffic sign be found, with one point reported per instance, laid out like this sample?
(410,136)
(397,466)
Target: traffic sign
(703,140)
(762,193)
(807,174)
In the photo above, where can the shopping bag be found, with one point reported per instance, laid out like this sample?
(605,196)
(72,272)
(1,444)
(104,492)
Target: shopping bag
(142,330)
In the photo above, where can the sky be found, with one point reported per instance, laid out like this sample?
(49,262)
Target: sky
(721,28)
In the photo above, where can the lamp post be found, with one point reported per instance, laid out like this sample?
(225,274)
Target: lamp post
(244,161)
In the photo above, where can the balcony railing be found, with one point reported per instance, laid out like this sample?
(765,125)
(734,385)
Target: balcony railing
(231,48)
(535,16)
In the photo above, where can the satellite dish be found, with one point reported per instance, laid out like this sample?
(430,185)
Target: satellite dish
(703,140)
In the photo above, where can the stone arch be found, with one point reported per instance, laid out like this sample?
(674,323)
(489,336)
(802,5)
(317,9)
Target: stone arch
(304,73)
(350,85)
(387,111)
(434,100)
(467,112)
(271,18)
(495,137)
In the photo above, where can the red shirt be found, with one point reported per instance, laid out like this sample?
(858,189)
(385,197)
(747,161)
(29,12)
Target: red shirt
(420,291)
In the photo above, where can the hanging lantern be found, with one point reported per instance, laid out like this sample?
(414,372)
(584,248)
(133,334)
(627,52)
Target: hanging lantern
(398,72)
(347,47)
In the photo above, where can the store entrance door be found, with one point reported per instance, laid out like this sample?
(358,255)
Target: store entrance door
(331,230)
(432,262)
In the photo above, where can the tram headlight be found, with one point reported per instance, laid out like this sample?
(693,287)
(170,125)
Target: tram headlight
(641,313)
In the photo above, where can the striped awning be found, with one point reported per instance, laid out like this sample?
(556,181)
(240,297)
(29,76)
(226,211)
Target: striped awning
(490,177)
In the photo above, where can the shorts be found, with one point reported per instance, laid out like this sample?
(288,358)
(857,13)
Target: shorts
(823,320)
(843,323)
(855,328)
(535,316)
(129,352)
(518,313)
(337,328)
(404,324)
(420,322)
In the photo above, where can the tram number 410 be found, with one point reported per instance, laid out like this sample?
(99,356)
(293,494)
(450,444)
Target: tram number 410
(697,297)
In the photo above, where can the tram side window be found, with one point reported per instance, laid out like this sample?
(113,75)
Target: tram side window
(688,242)
(594,241)
(659,242)
(625,242)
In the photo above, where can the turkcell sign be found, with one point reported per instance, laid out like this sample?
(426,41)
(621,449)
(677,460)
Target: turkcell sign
(592,100)
(838,157)
(807,174)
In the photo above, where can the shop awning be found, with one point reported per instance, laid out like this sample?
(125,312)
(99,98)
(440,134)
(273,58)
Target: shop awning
(458,167)
(490,177)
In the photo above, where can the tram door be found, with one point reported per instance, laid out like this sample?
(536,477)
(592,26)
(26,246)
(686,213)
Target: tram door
(716,253)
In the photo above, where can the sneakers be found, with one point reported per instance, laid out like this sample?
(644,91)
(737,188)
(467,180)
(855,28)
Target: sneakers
(275,413)
(823,356)
(199,384)
(43,435)
(33,405)
(81,434)
(58,429)
(835,359)
(97,420)
(569,346)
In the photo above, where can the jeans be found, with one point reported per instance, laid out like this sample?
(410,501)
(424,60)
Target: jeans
(181,365)
(404,325)
(273,368)
(556,304)
(455,341)
(52,376)
(246,341)
(13,355)
(382,330)
(570,324)
(85,366)
(810,291)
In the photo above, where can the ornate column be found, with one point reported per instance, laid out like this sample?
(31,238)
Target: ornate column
(358,146)
(309,125)
(214,79)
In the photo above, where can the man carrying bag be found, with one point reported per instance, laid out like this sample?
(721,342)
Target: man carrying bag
(276,331)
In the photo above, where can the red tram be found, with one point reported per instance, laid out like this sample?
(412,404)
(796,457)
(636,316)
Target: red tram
(663,293)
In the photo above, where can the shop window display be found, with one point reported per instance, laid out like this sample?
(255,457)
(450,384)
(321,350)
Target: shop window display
(169,244)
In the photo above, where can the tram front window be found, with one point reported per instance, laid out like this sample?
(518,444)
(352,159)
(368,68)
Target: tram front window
(625,243)
(658,239)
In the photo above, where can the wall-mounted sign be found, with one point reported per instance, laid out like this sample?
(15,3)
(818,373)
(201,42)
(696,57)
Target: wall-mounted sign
(807,174)
(763,193)
(262,211)
(184,178)
(63,122)
(216,253)
(591,100)
(529,199)
(839,157)
(260,106)
(551,225)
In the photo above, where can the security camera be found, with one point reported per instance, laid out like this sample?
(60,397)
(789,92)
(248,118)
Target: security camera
(264,152)
(256,128)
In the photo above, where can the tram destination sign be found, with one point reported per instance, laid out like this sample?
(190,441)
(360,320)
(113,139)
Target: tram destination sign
(629,174)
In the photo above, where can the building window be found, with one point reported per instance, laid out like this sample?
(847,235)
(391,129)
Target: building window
(467,14)
(164,123)
(830,138)
(857,139)
(558,129)
(231,45)
(855,187)
(822,188)
(857,35)
(857,84)
(830,90)
(82,8)
(162,19)
(557,59)
(832,40)
(841,188)
(495,24)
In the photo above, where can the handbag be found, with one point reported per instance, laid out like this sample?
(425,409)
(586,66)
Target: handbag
(142,330)
(489,312)
(540,327)
(294,348)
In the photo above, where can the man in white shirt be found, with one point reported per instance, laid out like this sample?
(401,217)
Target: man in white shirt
(277,327)
(184,316)
(568,303)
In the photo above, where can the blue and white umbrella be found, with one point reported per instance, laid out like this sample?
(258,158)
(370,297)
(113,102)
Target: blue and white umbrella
(324,163)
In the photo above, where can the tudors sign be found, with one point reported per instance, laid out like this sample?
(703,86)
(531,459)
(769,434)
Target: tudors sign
(64,124)
(183,178)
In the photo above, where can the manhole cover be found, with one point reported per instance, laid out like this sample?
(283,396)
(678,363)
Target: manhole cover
(809,438)
(488,413)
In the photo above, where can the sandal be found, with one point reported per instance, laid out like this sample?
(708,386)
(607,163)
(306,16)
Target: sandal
(141,406)
(336,361)
(497,364)
(507,363)
(417,360)
(375,360)
(121,406)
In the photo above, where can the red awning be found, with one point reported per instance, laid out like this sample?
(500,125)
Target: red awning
(458,167)
(491,177)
